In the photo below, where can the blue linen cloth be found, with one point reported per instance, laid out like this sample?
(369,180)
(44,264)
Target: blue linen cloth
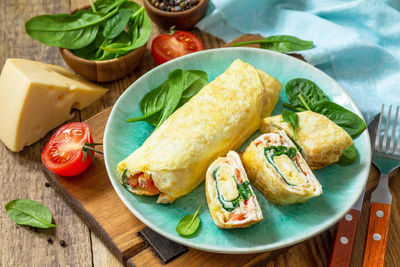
(357,43)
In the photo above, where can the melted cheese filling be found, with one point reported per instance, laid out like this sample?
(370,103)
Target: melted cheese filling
(226,183)
(286,167)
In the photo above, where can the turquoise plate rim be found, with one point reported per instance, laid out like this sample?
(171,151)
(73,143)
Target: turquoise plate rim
(261,248)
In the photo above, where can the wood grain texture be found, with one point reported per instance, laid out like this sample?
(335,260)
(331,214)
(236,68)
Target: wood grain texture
(344,240)
(376,238)
(21,174)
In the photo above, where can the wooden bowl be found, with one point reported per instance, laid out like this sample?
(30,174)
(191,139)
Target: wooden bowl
(182,19)
(104,70)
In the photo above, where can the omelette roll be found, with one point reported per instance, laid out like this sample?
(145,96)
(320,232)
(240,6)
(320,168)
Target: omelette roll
(231,200)
(175,157)
(277,169)
(320,140)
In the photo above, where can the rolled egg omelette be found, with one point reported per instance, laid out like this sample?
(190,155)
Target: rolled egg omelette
(175,157)
(277,169)
(231,200)
(320,140)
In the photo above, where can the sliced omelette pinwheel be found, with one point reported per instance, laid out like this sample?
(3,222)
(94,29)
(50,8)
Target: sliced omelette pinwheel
(231,200)
(278,170)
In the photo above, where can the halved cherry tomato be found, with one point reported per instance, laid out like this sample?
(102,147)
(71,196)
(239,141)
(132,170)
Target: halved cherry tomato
(63,153)
(169,46)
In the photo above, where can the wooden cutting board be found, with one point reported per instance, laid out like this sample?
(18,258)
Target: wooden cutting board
(93,198)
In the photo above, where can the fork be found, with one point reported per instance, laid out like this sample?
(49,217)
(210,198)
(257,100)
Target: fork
(386,159)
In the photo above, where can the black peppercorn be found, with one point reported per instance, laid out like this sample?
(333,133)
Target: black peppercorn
(50,240)
(46,184)
(63,244)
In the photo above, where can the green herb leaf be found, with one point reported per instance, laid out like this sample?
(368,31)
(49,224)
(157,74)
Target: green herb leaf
(153,105)
(176,83)
(29,212)
(271,152)
(302,92)
(189,224)
(108,5)
(348,156)
(281,43)
(291,118)
(116,25)
(66,31)
(343,117)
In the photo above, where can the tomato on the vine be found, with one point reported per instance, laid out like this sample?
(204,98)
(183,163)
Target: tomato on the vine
(169,46)
(70,150)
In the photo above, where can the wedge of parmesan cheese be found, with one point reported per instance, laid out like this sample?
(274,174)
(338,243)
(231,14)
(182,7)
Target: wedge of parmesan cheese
(37,97)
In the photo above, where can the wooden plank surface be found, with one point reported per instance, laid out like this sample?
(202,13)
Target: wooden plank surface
(21,175)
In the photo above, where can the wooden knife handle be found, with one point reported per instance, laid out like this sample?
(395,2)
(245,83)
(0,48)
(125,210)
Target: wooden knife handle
(378,226)
(344,239)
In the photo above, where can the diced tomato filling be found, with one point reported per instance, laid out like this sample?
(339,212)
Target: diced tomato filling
(133,181)
(144,182)
(238,216)
(237,174)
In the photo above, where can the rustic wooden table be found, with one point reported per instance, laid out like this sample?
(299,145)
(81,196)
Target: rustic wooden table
(21,175)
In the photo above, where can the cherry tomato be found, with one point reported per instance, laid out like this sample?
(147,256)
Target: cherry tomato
(63,153)
(169,46)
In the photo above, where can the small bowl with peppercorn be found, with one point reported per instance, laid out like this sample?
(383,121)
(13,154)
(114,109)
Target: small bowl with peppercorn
(180,13)
(112,55)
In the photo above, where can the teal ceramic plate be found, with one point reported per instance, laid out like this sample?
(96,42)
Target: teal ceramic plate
(282,225)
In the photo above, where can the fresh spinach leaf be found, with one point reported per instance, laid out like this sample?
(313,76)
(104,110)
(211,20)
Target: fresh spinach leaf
(281,43)
(66,31)
(116,25)
(153,104)
(108,5)
(302,92)
(29,212)
(176,86)
(90,52)
(343,117)
(144,30)
(348,156)
(189,224)
(292,118)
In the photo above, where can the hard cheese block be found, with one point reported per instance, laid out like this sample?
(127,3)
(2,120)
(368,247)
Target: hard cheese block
(36,97)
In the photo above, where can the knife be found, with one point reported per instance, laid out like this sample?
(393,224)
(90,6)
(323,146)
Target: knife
(347,226)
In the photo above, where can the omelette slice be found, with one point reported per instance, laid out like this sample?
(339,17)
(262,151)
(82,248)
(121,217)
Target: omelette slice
(231,200)
(321,141)
(277,169)
(175,157)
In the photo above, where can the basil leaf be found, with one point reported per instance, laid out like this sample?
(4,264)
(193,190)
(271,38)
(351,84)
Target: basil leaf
(189,224)
(343,117)
(281,43)
(291,118)
(349,156)
(299,90)
(116,25)
(66,31)
(29,212)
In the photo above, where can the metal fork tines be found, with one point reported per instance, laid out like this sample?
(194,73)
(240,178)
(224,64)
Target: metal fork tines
(381,146)
(386,155)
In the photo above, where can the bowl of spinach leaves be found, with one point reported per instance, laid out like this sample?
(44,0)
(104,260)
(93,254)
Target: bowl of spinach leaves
(103,41)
